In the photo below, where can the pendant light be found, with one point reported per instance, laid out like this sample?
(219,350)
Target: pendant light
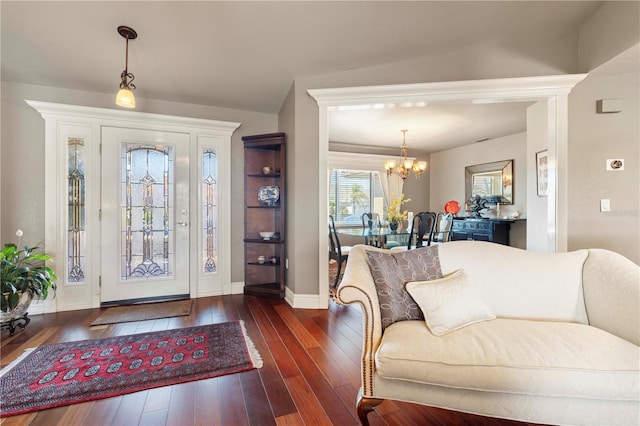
(125,96)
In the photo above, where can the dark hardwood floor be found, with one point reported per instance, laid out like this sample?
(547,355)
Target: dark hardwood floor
(310,374)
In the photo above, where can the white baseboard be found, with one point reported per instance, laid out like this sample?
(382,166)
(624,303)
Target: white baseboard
(305,301)
(301,301)
(237,287)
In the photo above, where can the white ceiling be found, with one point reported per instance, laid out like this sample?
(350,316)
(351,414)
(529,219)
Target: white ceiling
(431,128)
(246,55)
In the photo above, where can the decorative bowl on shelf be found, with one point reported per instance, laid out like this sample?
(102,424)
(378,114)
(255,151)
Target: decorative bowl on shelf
(267,235)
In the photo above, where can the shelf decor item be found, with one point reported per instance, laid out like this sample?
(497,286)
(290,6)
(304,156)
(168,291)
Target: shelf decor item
(265,215)
(268,195)
(452,207)
(267,235)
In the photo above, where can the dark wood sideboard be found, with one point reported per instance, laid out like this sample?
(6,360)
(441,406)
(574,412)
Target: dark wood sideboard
(492,230)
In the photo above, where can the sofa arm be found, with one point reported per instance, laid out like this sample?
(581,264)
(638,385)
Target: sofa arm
(611,285)
(357,286)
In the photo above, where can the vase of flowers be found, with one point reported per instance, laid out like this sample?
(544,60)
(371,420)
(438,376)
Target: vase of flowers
(24,275)
(394,215)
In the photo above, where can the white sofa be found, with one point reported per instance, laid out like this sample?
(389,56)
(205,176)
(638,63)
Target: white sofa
(564,348)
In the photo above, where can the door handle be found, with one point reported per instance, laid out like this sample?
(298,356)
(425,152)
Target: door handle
(183,223)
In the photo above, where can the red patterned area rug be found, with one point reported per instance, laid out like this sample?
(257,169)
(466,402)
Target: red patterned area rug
(67,373)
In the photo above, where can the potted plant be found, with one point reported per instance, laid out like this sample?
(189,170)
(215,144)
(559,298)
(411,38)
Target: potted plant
(23,276)
(394,215)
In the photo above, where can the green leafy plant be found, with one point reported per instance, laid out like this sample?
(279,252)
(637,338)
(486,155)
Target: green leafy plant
(24,270)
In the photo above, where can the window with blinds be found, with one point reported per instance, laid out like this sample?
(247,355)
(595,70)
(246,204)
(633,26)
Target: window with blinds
(354,192)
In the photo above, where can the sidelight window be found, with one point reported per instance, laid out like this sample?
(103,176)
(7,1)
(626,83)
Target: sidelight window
(76,242)
(209,210)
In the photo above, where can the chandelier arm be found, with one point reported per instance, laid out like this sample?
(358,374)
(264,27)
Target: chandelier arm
(404,168)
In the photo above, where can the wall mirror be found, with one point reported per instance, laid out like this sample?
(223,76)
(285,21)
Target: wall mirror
(491,181)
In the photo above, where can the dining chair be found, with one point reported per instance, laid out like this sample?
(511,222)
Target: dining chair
(368,220)
(422,228)
(442,228)
(337,252)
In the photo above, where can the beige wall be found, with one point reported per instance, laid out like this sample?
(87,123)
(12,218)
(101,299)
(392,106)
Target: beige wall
(286,123)
(609,45)
(23,161)
(594,138)
(547,55)
(614,28)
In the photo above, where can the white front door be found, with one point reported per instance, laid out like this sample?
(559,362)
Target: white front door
(145,214)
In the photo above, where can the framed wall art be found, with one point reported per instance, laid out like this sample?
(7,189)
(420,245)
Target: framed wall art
(542,173)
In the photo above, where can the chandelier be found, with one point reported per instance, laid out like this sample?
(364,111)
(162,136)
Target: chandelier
(406,164)
(125,96)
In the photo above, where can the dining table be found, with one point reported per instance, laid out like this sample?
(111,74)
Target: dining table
(382,237)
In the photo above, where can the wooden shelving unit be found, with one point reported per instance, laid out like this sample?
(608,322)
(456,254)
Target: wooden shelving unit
(266,279)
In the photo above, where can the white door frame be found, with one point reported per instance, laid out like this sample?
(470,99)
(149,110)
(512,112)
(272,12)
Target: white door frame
(62,121)
(554,90)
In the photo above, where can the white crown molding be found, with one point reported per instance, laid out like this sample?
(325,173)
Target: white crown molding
(50,109)
(494,90)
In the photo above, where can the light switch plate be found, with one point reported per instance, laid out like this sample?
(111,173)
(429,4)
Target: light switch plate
(605,205)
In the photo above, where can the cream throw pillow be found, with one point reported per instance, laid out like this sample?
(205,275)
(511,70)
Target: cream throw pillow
(449,303)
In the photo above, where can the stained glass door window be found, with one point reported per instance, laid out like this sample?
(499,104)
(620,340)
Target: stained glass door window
(147,182)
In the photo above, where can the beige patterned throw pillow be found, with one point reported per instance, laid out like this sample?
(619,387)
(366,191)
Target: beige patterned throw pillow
(392,270)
